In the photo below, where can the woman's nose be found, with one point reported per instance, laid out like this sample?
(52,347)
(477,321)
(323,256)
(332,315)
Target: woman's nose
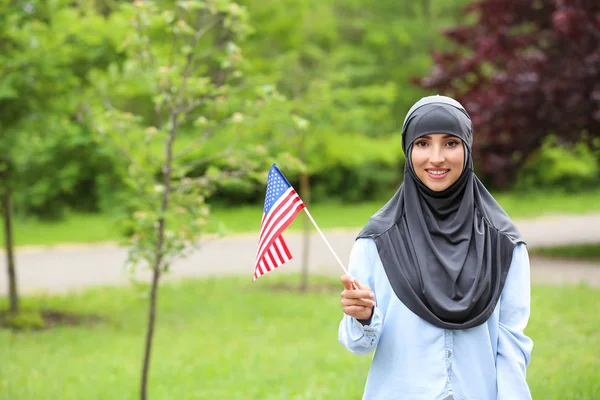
(437,155)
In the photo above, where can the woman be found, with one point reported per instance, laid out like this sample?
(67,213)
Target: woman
(449,274)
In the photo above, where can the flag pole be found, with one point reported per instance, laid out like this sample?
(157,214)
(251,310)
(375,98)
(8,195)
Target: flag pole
(328,245)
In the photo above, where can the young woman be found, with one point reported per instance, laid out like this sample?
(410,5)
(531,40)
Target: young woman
(439,277)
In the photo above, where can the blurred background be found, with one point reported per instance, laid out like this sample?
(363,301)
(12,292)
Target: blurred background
(135,139)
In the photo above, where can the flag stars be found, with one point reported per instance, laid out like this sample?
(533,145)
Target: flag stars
(276,187)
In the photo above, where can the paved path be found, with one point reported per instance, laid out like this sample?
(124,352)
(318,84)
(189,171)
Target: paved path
(66,268)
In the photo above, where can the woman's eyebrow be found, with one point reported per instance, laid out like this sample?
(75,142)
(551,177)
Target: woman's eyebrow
(446,136)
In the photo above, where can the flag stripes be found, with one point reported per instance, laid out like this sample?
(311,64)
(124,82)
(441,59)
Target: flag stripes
(282,214)
(282,205)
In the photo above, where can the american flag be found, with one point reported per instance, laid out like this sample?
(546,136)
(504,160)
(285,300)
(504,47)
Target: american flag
(282,204)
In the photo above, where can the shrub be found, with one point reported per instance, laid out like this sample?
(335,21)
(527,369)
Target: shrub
(560,166)
(25,320)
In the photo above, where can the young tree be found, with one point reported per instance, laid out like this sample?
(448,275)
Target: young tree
(185,66)
(523,70)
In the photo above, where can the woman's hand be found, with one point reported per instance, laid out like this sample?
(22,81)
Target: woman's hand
(357,303)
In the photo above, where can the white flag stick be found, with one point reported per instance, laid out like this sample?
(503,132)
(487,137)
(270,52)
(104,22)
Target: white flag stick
(328,245)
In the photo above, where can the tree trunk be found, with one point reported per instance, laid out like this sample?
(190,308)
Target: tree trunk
(158,258)
(305,195)
(13,295)
(150,328)
(154,295)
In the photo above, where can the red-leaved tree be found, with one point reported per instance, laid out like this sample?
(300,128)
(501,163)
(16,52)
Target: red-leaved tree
(523,70)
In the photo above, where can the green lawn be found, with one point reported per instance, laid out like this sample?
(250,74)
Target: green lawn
(82,228)
(76,228)
(231,339)
(588,252)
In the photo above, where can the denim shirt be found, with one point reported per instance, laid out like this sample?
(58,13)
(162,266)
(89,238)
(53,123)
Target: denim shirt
(415,360)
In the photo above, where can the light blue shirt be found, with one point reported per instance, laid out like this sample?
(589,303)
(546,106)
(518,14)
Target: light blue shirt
(415,360)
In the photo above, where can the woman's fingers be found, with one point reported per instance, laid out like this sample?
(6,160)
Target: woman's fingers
(358,294)
(347,282)
(346,302)
(351,283)
(358,312)
(357,300)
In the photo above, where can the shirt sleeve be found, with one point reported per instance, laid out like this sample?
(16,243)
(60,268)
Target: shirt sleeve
(358,338)
(514,347)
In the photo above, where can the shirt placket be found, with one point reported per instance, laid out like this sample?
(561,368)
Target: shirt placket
(449,349)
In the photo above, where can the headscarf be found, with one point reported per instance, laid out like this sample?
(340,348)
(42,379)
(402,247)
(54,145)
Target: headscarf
(446,254)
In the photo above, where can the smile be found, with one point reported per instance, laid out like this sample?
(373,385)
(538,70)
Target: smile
(437,173)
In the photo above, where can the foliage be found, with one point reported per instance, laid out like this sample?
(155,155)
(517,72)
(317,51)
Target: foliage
(227,340)
(185,63)
(355,168)
(330,59)
(343,66)
(348,63)
(348,167)
(46,50)
(570,167)
(523,70)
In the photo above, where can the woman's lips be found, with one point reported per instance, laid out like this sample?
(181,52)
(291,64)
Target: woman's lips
(437,174)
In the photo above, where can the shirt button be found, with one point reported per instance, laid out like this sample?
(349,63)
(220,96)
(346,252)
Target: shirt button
(449,354)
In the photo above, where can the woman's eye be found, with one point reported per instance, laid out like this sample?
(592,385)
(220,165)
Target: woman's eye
(421,144)
(452,143)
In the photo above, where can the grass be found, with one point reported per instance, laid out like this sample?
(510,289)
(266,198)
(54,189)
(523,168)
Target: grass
(75,228)
(535,204)
(587,252)
(230,339)
(85,228)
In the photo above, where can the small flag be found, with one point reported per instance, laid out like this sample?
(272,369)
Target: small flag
(282,204)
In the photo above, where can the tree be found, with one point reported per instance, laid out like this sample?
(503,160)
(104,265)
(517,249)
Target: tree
(523,70)
(182,85)
(45,51)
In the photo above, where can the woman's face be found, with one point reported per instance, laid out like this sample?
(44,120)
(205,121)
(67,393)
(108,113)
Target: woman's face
(438,160)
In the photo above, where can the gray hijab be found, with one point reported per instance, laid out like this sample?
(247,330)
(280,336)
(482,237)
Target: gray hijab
(446,254)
